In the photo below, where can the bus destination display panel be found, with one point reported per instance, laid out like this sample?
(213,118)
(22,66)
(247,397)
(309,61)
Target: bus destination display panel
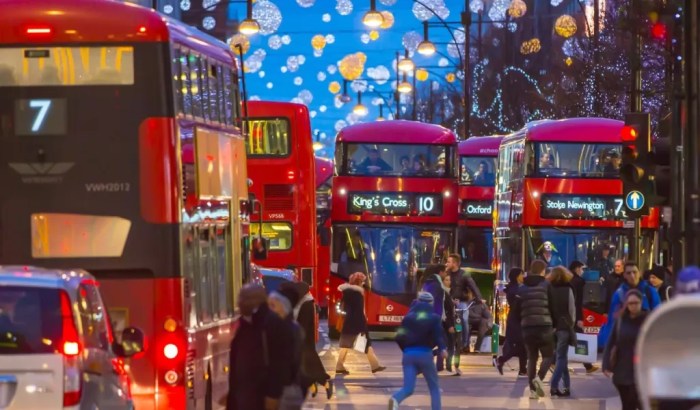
(597,207)
(482,210)
(394,203)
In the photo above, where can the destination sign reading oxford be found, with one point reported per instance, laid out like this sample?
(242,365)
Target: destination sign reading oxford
(593,207)
(395,203)
(477,209)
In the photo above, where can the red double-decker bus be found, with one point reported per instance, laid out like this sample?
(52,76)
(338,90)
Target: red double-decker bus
(324,180)
(477,176)
(393,212)
(281,166)
(559,199)
(122,156)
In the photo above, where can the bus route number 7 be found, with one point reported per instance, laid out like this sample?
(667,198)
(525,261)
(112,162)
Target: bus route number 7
(618,205)
(41,114)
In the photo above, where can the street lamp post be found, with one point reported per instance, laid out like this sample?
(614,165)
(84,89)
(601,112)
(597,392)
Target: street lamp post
(466,24)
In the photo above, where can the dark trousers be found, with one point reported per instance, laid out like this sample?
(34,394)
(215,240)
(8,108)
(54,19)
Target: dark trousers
(450,340)
(482,327)
(540,341)
(514,349)
(628,396)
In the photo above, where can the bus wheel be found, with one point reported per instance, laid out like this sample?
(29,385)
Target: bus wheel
(208,405)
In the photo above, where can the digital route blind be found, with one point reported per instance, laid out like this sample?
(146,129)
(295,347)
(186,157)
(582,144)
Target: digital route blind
(482,210)
(40,116)
(593,207)
(395,203)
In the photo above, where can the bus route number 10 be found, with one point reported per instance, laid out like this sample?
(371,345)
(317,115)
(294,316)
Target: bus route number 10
(426,204)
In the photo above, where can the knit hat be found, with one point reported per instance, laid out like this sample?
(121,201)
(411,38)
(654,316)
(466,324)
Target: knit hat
(425,297)
(688,280)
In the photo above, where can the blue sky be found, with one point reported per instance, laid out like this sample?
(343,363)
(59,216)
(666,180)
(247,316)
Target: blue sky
(277,76)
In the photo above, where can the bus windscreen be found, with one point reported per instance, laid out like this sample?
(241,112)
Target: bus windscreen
(410,160)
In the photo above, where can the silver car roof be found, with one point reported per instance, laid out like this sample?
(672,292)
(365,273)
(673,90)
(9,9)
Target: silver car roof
(33,276)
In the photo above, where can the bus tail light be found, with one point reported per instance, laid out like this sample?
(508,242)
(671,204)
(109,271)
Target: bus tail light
(170,351)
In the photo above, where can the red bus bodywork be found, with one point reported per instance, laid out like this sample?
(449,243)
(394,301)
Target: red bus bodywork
(324,176)
(285,187)
(386,311)
(127,144)
(519,209)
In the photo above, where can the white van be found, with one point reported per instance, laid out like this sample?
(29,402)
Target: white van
(57,349)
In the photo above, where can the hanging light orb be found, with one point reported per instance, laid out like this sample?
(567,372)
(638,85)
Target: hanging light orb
(565,26)
(360,110)
(530,46)
(388,19)
(517,9)
(426,48)
(405,87)
(373,35)
(421,74)
(352,66)
(334,87)
(318,42)
(373,19)
(239,39)
(406,65)
(450,77)
(249,27)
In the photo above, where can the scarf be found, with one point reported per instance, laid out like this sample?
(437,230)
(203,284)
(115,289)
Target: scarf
(283,300)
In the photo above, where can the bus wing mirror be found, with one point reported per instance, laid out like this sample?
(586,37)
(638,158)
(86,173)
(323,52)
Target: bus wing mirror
(133,342)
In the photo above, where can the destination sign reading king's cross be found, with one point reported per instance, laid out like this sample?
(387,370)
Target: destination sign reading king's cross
(477,209)
(598,207)
(395,203)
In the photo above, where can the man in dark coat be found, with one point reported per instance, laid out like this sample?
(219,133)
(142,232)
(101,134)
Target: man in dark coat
(258,375)
(534,308)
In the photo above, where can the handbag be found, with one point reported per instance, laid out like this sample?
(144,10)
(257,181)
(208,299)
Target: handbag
(360,343)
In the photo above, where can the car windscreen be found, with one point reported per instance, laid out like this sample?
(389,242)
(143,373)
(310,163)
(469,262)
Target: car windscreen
(272,283)
(30,320)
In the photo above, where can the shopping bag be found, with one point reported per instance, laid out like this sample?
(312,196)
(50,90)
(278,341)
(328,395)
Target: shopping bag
(360,344)
(339,321)
(586,349)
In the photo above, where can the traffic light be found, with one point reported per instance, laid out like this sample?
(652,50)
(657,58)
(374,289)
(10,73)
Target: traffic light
(637,179)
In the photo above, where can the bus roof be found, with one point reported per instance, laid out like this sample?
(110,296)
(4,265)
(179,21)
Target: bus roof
(324,170)
(271,109)
(480,146)
(397,132)
(44,22)
(594,130)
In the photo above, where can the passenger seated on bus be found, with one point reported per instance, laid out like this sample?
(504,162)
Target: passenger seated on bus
(7,75)
(612,168)
(419,167)
(352,168)
(546,161)
(373,163)
(482,176)
(465,174)
(405,165)
(440,165)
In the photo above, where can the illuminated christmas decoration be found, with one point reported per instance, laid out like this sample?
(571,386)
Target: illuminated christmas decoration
(318,42)
(334,87)
(373,35)
(388,19)
(450,77)
(568,61)
(352,66)
(239,39)
(267,15)
(530,46)
(565,26)
(421,74)
(517,9)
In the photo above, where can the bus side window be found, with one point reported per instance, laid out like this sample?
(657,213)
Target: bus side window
(228,96)
(186,83)
(204,89)
(220,85)
(195,85)
(178,80)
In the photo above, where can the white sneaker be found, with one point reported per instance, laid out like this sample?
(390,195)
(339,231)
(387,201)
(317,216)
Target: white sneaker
(393,404)
(539,386)
(534,395)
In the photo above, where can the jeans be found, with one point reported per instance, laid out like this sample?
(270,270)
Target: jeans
(561,371)
(440,363)
(457,350)
(419,360)
(538,341)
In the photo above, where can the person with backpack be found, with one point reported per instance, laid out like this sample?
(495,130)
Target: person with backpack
(420,331)
(633,280)
(657,277)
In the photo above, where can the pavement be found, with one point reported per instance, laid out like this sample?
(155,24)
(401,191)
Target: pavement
(480,387)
